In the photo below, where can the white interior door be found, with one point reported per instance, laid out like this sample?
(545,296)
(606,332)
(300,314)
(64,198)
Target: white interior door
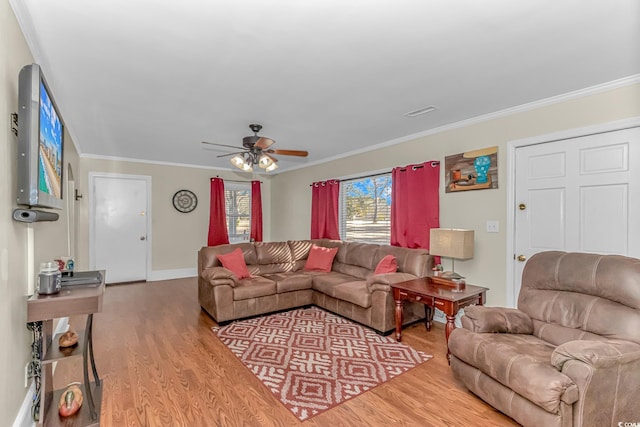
(580,194)
(120,226)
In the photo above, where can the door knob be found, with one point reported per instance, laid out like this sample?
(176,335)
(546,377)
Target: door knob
(143,238)
(522,258)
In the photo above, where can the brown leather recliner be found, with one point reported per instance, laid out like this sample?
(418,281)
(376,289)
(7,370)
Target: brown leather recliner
(570,354)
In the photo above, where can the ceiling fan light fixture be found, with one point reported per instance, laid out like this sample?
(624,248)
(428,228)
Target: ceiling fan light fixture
(237,161)
(256,151)
(265,161)
(273,166)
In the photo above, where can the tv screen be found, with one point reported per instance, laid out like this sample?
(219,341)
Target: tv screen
(40,142)
(50,147)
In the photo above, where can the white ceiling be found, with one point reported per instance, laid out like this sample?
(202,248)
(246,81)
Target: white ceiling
(149,79)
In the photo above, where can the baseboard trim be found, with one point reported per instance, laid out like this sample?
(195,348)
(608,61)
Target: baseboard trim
(181,273)
(23,419)
(440,317)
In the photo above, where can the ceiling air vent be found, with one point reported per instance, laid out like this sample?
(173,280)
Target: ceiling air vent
(420,111)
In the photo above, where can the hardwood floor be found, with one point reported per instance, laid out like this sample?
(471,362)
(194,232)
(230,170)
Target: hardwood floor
(162,366)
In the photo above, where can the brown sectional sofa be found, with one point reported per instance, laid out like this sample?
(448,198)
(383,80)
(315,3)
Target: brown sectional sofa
(278,281)
(570,354)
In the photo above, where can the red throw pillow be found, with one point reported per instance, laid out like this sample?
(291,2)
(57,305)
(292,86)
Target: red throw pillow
(388,264)
(320,259)
(234,261)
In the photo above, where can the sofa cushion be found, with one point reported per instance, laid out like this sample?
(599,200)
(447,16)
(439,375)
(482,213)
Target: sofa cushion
(388,264)
(353,292)
(414,261)
(519,362)
(582,293)
(299,252)
(290,281)
(326,282)
(320,259)
(273,252)
(254,287)
(351,270)
(207,256)
(234,261)
(478,318)
(359,254)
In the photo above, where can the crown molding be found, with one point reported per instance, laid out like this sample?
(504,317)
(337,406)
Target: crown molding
(581,93)
(151,162)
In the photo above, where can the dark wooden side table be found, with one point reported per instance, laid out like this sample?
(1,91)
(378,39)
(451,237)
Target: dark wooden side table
(435,295)
(70,301)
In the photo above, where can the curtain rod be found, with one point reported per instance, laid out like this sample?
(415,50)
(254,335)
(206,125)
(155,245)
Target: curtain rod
(433,163)
(234,180)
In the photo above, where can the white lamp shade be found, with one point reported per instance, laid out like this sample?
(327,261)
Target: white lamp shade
(265,161)
(237,161)
(451,243)
(273,166)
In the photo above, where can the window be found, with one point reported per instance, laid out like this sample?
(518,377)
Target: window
(365,209)
(238,209)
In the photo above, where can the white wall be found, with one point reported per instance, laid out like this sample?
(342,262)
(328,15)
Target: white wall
(291,200)
(15,352)
(19,242)
(176,237)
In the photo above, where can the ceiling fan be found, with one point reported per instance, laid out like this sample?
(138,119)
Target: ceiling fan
(256,151)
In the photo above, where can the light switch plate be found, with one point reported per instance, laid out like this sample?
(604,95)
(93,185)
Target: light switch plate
(493,226)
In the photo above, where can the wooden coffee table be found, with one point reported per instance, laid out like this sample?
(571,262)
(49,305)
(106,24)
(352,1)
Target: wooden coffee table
(434,295)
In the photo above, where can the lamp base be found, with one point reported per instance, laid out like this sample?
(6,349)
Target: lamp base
(451,275)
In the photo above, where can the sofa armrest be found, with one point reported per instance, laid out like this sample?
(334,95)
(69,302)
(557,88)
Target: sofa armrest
(606,373)
(383,282)
(598,354)
(219,276)
(496,320)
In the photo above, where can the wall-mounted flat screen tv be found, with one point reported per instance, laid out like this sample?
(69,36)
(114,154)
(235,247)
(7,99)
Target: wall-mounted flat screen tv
(40,142)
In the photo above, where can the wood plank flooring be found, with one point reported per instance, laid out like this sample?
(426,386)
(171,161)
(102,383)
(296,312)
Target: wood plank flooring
(162,366)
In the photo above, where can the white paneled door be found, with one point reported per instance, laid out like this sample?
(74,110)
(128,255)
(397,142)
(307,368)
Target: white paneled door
(580,194)
(119,226)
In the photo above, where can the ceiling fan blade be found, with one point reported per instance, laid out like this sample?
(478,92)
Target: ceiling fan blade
(263,143)
(271,157)
(235,147)
(299,153)
(231,154)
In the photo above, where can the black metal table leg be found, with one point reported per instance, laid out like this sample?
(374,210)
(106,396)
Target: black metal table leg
(96,377)
(85,365)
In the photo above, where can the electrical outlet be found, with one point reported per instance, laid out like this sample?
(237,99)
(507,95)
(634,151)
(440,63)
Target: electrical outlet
(493,226)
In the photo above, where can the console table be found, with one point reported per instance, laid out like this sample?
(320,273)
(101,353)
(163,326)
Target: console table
(435,295)
(42,309)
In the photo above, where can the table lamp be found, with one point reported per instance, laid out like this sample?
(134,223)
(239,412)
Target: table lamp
(451,243)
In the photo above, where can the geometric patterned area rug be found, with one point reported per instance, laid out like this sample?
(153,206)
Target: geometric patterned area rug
(313,360)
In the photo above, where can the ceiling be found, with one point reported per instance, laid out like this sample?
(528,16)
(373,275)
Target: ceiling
(149,80)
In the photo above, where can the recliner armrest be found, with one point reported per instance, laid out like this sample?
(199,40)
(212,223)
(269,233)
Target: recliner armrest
(219,276)
(383,282)
(599,354)
(496,320)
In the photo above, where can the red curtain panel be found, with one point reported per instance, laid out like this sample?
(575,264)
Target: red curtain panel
(324,210)
(217,215)
(415,204)
(256,212)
